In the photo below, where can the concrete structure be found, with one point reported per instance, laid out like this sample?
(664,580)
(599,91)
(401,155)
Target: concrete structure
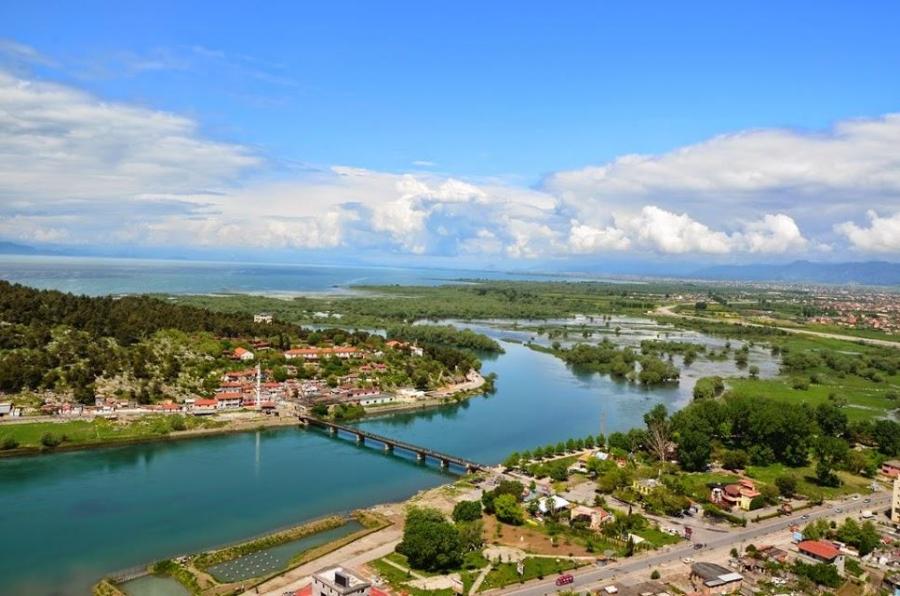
(895,502)
(337,581)
(421,453)
(820,551)
(229,401)
(715,578)
(262,317)
(645,485)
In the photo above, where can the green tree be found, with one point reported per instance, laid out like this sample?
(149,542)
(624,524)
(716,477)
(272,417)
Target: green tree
(467,511)
(430,542)
(508,510)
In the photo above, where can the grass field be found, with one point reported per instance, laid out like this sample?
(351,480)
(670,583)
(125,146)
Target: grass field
(865,399)
(806,480)
(83,432)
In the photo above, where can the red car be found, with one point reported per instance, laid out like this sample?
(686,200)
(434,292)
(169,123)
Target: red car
(564,579)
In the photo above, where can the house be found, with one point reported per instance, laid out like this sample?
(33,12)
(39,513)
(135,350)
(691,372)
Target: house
(242,354)
(204,406)
(337,581)
(739,495)
(593,518)
(262,317)
(891,468)
(772,553)
(820,551)
(715,578)
(344,352)
(302,354)
(645,486)
(168,408)
(229,401)
(552,504)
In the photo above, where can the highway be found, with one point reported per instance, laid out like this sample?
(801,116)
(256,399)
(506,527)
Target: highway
(736,538)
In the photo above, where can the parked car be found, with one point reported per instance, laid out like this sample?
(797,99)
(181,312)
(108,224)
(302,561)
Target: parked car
(564,579)
(698,546)
(687,560)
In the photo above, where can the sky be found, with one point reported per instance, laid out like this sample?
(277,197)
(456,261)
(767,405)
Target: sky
(466,133)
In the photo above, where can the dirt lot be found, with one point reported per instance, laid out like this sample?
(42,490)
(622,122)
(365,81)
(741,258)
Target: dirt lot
(529,539)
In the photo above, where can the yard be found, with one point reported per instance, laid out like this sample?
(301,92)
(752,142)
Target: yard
(534,567)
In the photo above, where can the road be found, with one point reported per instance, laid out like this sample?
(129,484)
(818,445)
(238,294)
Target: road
(735,538)
(667,311)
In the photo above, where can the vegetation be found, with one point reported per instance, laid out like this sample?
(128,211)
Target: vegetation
(430,542)
(177,572)
(445,335)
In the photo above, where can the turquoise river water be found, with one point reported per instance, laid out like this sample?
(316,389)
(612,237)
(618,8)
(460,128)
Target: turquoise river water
(70,518)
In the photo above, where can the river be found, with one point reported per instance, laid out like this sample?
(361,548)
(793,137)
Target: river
(70,518)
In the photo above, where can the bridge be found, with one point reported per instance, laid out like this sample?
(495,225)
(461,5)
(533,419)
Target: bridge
(422,453)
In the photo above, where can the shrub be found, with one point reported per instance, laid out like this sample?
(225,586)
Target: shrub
(466,511)
(8,443)
(655,574)
(50,440)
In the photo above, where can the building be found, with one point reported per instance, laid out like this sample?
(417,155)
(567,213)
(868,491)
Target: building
(377,399)
(715,578)
(229,401)
(891,468)
(337,581)
(242,354)
(891,583)
(645,486)
(8,410)
(895,502)
(592,517)
(204,406)
(262,317)
(820,551)
(552,504)
(739,495)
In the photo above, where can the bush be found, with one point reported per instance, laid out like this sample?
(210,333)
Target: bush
(50,440)
(655,574)
(8,443)
(466,511)
(508,510)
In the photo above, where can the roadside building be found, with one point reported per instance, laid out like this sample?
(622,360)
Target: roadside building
(820,551)
(262,317)
(554,504)
(377,399)
(337,581)
(715,579)
(593,518)
(204,406)
(8,410)
(891,468)
(229,401)
(895,502)
(740,494)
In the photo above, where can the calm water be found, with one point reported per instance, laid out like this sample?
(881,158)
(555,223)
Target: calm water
(68,519)
(98,276)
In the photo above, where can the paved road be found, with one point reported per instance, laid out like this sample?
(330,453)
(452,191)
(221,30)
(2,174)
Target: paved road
(668,312)
(735,538)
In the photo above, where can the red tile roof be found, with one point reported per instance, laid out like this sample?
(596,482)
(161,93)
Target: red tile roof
(819,548)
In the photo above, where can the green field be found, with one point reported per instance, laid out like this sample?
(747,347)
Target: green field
(806,480)
(83,432)
(505,574)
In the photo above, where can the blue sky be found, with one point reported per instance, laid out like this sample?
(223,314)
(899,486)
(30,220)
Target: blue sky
(384,128)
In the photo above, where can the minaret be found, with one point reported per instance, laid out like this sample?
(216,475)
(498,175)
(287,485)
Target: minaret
(258,383)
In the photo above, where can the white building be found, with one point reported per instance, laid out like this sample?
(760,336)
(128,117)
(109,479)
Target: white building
(262,318)
(243,354)
(337,581)
(895,502)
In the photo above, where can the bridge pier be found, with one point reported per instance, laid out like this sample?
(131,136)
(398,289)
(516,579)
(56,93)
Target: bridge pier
(388,448)
(420,457)
(332,430)
(444,464)
(360,438)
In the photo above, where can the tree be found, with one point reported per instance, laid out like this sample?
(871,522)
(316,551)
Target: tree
(508,510)
(471,535)
(831,420)
(430,542)
(735,459)
(830,451)
(513,460)
(787,484)
(658,435)
(467,511)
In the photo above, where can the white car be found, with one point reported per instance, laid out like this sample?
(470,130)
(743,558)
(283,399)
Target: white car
(687,560)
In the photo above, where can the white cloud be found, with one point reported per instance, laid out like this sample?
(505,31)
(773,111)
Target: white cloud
(882,234)
(76,169)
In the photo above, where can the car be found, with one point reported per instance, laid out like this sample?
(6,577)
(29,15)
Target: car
(867,500)
(698,546)
(687,560)
(565,579)
(855,497)
(839,510)
(804,516)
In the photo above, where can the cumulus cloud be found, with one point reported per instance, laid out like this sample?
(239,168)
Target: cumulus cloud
(74,168)
(882,235)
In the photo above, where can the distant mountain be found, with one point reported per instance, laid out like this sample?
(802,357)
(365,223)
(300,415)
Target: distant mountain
(880,273)
(11,248)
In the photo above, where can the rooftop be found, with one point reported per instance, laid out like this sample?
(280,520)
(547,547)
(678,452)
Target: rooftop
(819,548)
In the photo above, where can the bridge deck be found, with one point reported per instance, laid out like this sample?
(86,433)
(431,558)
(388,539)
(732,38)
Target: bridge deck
(424,451)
